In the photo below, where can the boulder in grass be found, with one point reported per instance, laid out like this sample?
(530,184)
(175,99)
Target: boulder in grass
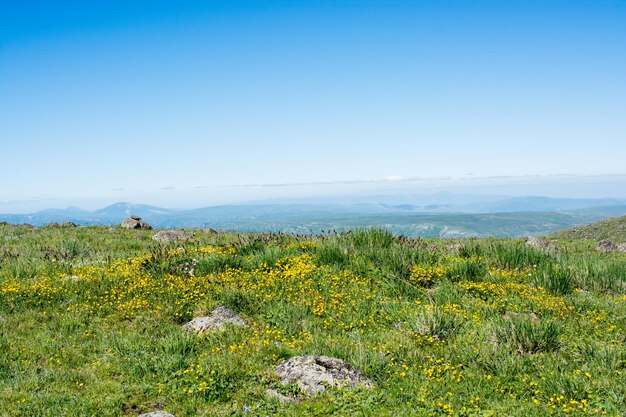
(159,413)
(455,247)
(135,222)
(606,246)
(536,242)
(217,320)
(170,236)
(313,374)
(540,243)
(68,224)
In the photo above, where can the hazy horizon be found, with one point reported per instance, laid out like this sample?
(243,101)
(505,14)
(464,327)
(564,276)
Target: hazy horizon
(590,187)
(193,104)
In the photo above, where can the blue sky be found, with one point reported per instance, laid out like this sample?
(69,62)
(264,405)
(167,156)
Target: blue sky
(140,100)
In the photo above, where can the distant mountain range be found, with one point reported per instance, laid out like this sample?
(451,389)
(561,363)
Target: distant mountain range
(444,215)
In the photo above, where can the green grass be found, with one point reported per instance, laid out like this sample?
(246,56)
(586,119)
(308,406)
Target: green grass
(498,328)
(611,229)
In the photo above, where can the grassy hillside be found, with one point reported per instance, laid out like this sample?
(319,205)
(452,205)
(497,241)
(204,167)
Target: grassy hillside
(91,324)
(611,229)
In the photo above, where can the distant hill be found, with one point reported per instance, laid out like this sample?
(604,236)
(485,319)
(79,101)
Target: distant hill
(611,229)
(320,218)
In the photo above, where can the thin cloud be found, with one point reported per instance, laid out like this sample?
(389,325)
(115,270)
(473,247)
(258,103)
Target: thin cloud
(391,178)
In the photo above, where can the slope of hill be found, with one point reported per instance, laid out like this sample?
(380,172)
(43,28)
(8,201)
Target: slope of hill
(93,322)
(611,229)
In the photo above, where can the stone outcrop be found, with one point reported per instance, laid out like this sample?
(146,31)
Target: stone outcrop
(217,320)
(536,242)
(608,246)
(135,222)
(170,236)
(313,374)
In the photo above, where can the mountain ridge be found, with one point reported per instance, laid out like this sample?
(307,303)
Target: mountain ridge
(317,218)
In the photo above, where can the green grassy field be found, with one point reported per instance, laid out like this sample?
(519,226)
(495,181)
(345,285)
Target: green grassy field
(491,328)
(611,229)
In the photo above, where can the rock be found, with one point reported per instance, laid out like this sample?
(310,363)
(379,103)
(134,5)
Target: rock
(621,247)
(68,224)
(134,222)
(606,246)
(219,318)
(455,248)
(159,413)
(130,224)
(52,224)
(145,225)
(313,374)
(170,236)
(536,242)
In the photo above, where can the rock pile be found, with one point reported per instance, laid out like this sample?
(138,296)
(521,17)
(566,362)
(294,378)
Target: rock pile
(135,222)
(313,374)
(217,320)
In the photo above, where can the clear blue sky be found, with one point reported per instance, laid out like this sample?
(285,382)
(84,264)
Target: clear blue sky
(101,99)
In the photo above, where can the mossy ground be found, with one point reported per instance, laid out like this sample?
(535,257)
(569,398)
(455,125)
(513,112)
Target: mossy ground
(496,328)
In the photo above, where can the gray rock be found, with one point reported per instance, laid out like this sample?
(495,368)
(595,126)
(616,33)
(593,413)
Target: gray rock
(170,236)
(68,224)
(157,414)
(313,374)
(144,225)
(52,224)
(131,224)
(621,247)
(606,246)
(536,242)
(455,247)
(134,222)
(217,320)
